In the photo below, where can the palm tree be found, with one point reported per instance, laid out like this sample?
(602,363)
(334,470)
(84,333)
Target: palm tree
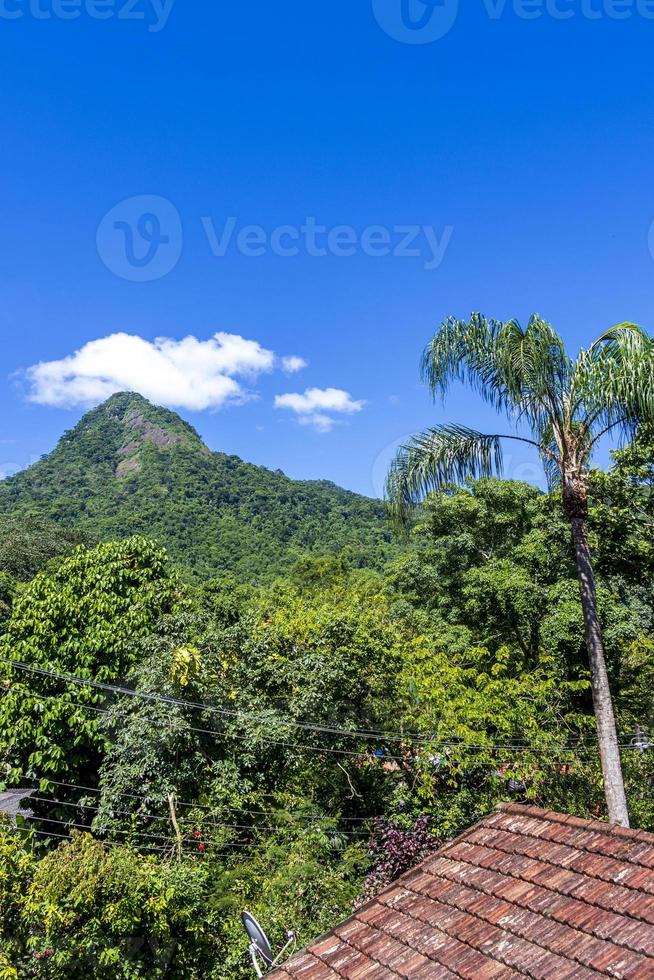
(566,405)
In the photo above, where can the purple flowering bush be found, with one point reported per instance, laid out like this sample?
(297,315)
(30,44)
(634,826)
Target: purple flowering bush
(395,851)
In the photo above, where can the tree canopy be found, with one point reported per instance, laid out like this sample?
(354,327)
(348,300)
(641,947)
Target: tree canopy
(83,619)
(291,746)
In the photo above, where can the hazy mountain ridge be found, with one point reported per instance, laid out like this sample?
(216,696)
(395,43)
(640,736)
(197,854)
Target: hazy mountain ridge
(131,467)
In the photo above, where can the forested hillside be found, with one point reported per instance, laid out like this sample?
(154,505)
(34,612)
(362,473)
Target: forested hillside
(129,467)
(254,711)
(197,745)
(314,736)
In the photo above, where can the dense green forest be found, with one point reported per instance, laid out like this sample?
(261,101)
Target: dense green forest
(130,467)
(285,742)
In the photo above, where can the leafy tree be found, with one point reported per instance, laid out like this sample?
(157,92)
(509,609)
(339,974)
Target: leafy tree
(108,912)
(635,712)
(223,598)
(82,619)
(8,587)
(291,659)
(27,545)
(622,513)
(492,566)
(305,881)
(156,750)
(494,729)
(328,659)
(284,684)
(486,556)
(17,866)
(568,405)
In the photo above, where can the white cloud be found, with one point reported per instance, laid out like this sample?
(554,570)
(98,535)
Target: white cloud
(188,373)
(293,363)
(317,406)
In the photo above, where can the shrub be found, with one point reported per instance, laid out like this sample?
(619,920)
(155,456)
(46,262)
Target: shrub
(17,867)
(108,912)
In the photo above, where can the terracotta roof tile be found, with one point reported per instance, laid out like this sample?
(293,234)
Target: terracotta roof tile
(525,892)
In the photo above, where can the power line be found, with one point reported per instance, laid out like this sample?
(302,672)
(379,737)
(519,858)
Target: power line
(198,806)
(81,826)
(210,731)
(309,726)
(76,804)
(226,712)
(201,731)
(127,833)
(109,843)
(383,757)
(418,741)
(141,835)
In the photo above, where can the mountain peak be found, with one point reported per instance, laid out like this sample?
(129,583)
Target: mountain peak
(130,422)
(130,467)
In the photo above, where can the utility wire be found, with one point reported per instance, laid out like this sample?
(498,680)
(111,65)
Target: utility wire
(211,731)
(82,826)
(141,835)
(384,757)
(76,804)
(200,806)
(128,833)
(214,709)
(309,726)
(109,843)
(419,741)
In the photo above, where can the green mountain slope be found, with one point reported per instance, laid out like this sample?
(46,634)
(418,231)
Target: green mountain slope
(130,467)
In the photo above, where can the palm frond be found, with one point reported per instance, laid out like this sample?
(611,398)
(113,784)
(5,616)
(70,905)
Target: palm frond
(522,372)
(550,455)
(437,457)
(613,380)
(568,405)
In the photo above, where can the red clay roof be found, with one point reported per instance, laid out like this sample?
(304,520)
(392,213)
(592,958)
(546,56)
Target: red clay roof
(525,892)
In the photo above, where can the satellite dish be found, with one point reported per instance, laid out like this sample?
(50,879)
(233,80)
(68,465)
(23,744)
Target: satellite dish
(258,938)
(260,948)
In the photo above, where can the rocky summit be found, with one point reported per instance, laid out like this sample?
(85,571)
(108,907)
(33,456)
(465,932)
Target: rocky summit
(130,467)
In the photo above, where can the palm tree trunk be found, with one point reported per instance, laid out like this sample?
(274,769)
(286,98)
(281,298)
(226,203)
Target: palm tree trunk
(616,799)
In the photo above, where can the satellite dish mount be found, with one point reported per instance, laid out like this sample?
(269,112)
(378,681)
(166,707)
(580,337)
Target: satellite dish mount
(261,952)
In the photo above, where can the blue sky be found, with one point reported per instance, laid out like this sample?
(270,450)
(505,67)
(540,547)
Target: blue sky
(523,145)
